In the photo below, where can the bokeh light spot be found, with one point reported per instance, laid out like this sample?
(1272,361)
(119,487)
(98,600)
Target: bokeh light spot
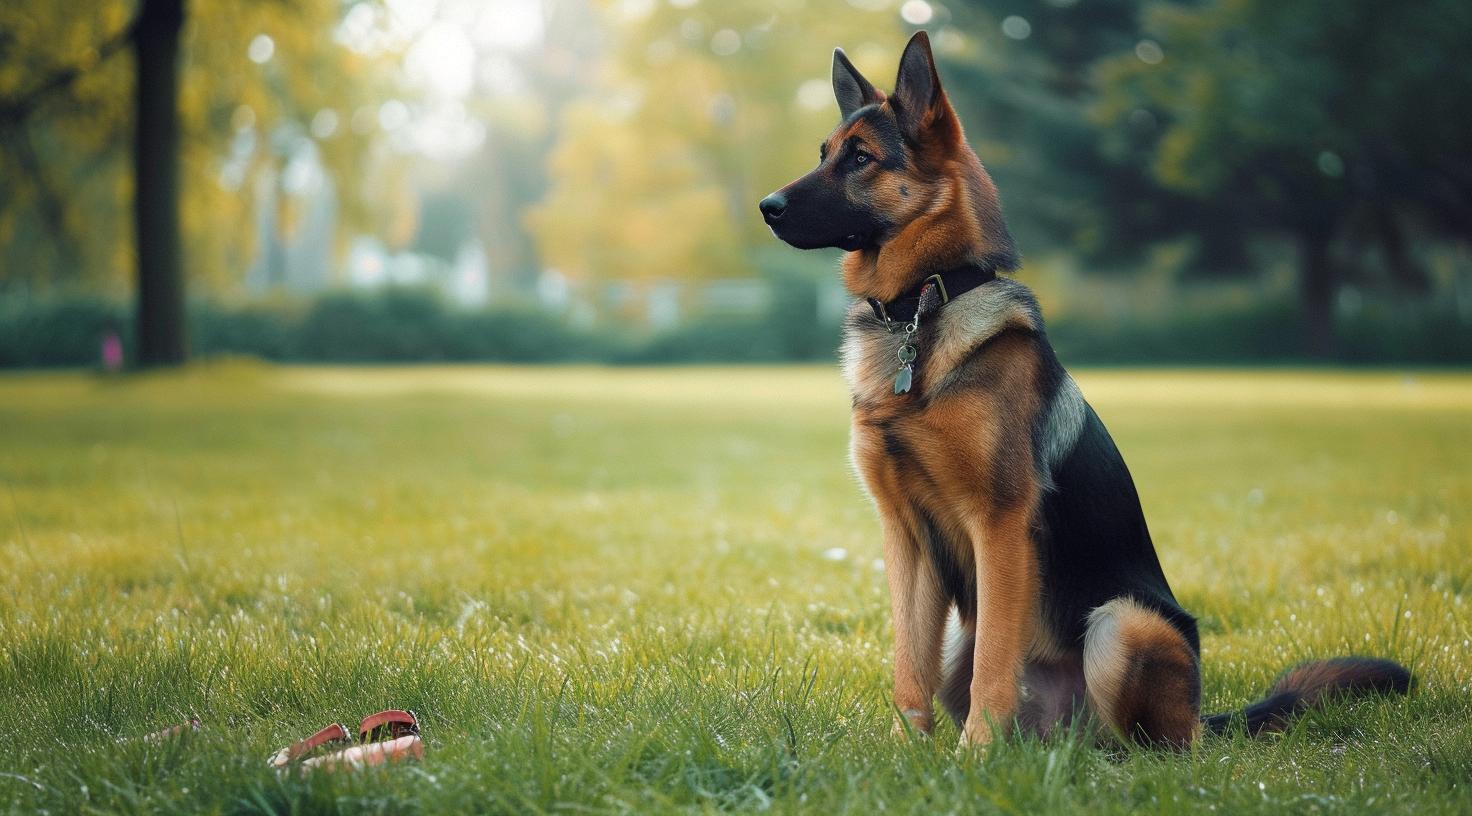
(442,60)
(1330,164)
(393,115)
(1016,28)
(511,24)
(725,42)
(1149,52)
(261,49)
(324,123)
(815,94)
(634,9)
(916,12)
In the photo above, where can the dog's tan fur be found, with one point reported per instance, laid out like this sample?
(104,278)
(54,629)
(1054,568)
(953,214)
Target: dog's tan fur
(1142,678)
(960,440)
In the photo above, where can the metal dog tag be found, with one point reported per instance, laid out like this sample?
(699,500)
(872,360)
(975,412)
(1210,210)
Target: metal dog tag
(903,377)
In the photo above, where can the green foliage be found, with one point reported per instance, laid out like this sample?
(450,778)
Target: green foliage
(64,331)
(1025,104)
(627,143)
(607,591)
(1265,332)
(1300,117)
(64,210)
(395,325)
(700,112)
(411,325)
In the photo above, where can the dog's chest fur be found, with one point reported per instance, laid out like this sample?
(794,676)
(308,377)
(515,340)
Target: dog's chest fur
(870,349)
(974,393)
(988,416)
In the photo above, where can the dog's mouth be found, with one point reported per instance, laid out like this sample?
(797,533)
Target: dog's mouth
(848,243)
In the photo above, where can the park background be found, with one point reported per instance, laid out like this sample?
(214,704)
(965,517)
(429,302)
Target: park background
(649,588)
(539,180)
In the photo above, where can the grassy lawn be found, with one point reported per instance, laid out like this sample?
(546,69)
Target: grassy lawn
(655,590)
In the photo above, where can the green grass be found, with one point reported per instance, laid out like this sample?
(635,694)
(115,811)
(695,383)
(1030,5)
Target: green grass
(657,590)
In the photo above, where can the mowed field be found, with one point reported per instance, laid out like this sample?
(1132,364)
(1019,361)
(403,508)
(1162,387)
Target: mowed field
(632,591)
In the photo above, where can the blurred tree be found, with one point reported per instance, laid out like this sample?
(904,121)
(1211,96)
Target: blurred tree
(251,74)
(524,94)
(160,315)
(699,110)
(1022,74)
(1323,120)
(1017,70)
(63,93)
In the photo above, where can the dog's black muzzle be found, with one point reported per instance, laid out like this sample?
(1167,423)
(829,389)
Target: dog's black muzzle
(812,213)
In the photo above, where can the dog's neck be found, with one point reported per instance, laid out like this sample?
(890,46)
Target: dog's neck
(915,303)
(962,227)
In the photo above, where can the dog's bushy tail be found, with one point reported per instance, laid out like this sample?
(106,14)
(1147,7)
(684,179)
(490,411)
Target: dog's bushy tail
(1307,684)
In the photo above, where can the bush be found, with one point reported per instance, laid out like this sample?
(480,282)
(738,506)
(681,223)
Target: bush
(265,330)
(407,325)
(1266,333)
(1269,332)
(59,332)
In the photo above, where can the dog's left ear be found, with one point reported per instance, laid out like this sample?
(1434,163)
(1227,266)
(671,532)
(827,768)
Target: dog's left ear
(919,102)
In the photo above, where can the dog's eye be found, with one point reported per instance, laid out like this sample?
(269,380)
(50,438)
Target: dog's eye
(861,158)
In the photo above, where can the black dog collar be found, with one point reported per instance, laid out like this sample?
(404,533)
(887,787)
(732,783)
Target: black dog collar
(951,283)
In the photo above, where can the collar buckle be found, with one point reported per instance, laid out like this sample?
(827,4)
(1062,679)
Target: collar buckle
(945,297)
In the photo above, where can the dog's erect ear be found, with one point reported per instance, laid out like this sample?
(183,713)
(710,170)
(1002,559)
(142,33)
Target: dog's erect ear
(852,90)
(918,99)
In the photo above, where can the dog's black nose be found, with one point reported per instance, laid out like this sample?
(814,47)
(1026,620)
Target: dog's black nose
(773,206)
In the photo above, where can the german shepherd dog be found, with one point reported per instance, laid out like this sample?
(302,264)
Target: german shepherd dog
(1000,494)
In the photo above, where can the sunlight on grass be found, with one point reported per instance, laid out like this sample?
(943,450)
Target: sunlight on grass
(622,590)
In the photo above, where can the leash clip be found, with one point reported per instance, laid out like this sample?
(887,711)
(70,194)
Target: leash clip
(882,313)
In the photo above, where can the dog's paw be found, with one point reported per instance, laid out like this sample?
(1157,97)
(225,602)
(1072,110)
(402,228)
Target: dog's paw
(976,737)
(913,721)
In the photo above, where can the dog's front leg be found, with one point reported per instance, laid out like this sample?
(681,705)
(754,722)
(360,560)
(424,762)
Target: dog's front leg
(918,608)
(1007,596)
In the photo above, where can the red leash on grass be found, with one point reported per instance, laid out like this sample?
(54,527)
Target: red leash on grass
(388,736)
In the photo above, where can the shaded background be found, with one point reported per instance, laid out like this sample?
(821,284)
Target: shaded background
(546,180)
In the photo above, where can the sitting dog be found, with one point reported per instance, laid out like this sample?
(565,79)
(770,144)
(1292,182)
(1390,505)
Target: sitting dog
(1001,495)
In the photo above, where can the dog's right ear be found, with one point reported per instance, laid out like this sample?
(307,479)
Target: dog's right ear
(919,102)
(849,86)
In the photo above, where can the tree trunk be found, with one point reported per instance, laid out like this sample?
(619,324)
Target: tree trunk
(161,340)
(1318,284)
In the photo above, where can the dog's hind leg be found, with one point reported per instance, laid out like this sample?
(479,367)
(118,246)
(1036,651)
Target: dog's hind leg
(955,678)
(1141,677)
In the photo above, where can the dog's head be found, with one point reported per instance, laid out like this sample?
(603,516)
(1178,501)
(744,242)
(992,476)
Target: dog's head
(876,168)
(897,184)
